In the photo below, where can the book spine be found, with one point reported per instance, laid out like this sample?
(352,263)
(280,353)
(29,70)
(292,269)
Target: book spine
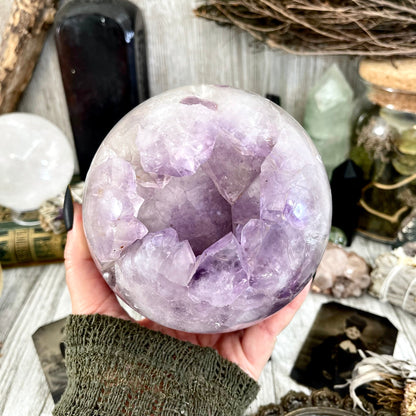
(30,245)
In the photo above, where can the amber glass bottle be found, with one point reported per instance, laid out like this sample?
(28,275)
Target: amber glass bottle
(384,146)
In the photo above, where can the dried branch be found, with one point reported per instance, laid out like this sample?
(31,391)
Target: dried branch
(21,45)
(327,27)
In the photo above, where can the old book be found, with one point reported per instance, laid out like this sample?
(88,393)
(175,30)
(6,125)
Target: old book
(28,244)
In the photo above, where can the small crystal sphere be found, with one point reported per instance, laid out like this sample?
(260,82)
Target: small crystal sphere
(36,161)
(207,208)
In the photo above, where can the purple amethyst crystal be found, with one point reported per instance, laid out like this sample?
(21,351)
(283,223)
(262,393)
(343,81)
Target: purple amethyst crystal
(207,208)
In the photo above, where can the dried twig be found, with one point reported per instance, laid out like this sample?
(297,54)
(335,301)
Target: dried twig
(325,27)
(386,375)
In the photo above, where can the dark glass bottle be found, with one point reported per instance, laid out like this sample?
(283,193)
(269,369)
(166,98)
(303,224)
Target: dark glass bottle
(102,56)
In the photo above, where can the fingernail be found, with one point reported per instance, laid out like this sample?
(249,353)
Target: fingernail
(68,211)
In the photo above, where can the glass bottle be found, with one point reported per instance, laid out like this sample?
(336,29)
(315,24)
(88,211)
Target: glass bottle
(102,55)
(384,146)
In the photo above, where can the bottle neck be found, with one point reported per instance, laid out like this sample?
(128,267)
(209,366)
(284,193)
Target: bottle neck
(391,99)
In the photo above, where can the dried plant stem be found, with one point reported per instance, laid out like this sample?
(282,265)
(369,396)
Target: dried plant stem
(387,393)
(310,27)
(394,281)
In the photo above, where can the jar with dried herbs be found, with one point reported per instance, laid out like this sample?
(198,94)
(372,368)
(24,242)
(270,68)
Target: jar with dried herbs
(384,146)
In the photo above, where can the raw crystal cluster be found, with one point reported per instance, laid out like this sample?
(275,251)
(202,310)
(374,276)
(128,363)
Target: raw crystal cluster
(341,273)
(207,208)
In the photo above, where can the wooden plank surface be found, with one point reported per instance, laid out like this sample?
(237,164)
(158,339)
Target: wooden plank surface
(34,296)
(184,49)
(44,298)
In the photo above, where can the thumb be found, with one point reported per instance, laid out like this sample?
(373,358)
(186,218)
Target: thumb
(88,290)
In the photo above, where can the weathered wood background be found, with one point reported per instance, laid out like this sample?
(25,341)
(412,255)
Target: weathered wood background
(182,49)
(34,296)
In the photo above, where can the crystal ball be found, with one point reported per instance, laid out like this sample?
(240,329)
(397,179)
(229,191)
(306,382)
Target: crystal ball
(36,161)
(207,208)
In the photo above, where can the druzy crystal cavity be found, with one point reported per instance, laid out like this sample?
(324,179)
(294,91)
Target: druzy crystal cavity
(207,208)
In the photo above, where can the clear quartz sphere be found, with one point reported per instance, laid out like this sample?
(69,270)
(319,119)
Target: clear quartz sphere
(36,161)
(207,208)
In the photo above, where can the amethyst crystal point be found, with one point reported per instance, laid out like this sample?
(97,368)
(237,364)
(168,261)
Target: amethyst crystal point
(220,275)
(207,208)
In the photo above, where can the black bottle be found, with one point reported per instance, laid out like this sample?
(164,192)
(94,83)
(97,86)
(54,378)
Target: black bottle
(102,56)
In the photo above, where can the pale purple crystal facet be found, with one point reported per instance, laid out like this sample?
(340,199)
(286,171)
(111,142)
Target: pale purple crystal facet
(112,195)
(207,208)
(221,275)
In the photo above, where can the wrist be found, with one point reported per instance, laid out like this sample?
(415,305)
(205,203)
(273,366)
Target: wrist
(116,364)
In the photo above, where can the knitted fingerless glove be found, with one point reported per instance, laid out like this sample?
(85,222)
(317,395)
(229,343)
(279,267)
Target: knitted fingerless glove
(117,367)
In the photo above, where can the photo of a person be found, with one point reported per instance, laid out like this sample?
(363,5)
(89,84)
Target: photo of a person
(335,358)
(332,347)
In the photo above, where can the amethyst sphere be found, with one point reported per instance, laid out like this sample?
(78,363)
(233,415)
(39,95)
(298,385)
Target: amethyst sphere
(207,208)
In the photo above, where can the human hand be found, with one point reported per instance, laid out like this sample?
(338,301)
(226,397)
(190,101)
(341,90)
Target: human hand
(249,348)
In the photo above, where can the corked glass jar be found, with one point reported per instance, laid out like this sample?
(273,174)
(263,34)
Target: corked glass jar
(384,146)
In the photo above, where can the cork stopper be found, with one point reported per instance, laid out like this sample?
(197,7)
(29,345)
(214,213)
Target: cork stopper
(399,74)
(394,82)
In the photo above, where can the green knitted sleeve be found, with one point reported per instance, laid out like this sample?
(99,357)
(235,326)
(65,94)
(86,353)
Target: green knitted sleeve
(117,367)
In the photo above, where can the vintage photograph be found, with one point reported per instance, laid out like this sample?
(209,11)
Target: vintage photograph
(49,345)
(332,346)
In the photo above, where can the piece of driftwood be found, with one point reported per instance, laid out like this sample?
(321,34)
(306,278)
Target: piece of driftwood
(22,42)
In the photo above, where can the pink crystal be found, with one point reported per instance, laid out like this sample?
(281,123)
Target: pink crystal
(207,208)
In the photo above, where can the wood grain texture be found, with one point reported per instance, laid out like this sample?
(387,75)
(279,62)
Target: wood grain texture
(184,49)
(22,42)
(34,296)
